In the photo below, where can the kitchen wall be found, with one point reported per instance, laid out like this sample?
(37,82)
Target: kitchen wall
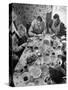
(27,12)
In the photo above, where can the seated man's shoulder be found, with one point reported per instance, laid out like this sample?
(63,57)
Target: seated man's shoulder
(62,25)
(34,22)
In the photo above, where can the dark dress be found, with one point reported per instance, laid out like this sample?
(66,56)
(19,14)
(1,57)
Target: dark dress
(62,29)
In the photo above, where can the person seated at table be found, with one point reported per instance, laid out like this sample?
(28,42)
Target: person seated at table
(56,26)
(37,27)
(18,36)
(19,40)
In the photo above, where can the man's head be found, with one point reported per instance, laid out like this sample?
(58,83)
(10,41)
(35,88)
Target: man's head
(21,30)
(39,20)
(56,18)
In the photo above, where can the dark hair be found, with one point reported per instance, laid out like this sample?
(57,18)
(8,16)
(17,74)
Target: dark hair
(56,16)
(39,18)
